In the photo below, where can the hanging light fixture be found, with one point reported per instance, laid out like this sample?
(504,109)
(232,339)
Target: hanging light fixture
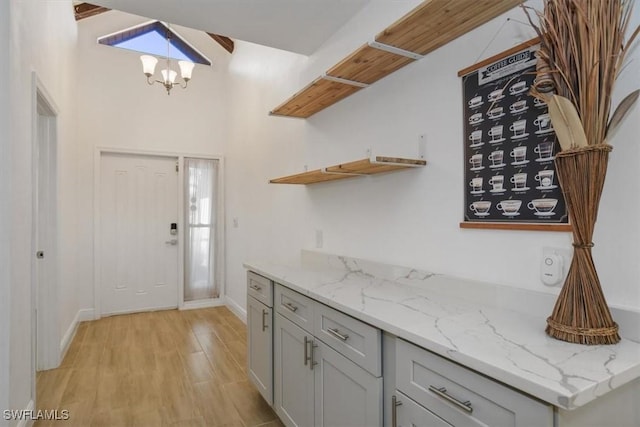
(168,75)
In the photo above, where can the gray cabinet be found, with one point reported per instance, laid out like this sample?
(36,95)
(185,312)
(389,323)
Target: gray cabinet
(345,393)
(260,334)
(315,384)
(294,376)
(260,347)
(460,396)
(407,413)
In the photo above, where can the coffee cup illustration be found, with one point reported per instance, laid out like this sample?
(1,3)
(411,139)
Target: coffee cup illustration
(545,178)
(495,132)
(481,207)
(509,207)
(544,150)
(475,136)
(497,182)
(518,106)
(496,112)
(496,157)
(475,101)
(543,207)
(476,161)
(519,180)
(518,127)
(539,103)
(543,122)
(475,118)
(495,95)
(519,154)
(476,184)
(518,87)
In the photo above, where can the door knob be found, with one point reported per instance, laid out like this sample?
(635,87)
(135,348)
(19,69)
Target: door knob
(172,242)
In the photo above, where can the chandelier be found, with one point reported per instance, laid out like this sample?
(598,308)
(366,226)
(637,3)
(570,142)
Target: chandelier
(168,75)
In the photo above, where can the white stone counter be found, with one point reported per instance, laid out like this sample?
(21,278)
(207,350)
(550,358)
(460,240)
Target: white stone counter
(491,329)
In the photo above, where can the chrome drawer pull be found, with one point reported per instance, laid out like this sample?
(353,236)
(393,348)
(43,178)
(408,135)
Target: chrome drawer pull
(290,306)
(255,287)
(312,361)
(306,351)
(442,392)
(337,334)
(394,410)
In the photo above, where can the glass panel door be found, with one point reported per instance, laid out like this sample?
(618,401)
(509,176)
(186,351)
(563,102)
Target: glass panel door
(201,180)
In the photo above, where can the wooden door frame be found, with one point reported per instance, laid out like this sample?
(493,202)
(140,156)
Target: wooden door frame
(97,240)
(48,309)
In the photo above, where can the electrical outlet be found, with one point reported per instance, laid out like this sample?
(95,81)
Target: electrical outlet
(555,262)
(235,222)
(319,239)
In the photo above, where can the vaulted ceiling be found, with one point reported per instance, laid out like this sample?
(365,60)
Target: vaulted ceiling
(300,26)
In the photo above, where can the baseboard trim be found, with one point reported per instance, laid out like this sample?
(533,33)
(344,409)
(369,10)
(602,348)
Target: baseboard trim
(204,303)
(82,315)
(138,310)
(236,309)
(26,421)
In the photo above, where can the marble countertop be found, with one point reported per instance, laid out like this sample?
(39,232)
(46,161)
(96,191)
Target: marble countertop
(469,322)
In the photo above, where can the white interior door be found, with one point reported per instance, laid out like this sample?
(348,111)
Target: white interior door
(44,265)
(139,255)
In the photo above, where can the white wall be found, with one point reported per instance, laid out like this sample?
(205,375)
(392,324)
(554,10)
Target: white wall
(42,38)
(5,187)
(408,218)
(119,110)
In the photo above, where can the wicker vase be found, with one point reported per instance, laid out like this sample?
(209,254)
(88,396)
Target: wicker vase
(581,314)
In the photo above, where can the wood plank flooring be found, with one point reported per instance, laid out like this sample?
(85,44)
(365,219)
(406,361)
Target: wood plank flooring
(163,368)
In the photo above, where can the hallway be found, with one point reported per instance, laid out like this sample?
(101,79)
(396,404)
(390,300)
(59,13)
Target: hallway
(165,368)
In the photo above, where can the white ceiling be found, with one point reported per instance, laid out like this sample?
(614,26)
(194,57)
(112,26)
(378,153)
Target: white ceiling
(299,26)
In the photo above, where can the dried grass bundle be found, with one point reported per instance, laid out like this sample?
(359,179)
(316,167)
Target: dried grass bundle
(582,53)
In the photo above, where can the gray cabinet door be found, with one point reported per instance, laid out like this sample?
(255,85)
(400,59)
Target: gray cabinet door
(410,414)
(293,400)
(260,347)
(346,394)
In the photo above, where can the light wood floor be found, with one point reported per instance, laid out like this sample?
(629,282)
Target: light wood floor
(164,368)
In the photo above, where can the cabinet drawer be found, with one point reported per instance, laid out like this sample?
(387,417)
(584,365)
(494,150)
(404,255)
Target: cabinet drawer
(295,307)
(461,396)
(410,414)
(356,340)
(260,288)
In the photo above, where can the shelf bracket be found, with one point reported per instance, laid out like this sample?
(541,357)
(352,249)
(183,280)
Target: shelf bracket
(344,81)
(325,171)
(395,50)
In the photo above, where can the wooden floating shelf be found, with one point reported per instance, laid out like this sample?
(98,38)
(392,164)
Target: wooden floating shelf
(317,96)
(362,167)
(429,26)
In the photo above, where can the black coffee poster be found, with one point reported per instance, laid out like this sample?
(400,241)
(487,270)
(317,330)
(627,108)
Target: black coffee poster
(509,146)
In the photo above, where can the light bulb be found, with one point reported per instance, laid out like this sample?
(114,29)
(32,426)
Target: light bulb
(169,76)
(148,64)
(186,68)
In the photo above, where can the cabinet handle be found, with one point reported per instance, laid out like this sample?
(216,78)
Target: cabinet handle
(394,410)
(442,392)
(312,361)
(264,318)
(337,334)
(306,351)
(290,306)
(256,287)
